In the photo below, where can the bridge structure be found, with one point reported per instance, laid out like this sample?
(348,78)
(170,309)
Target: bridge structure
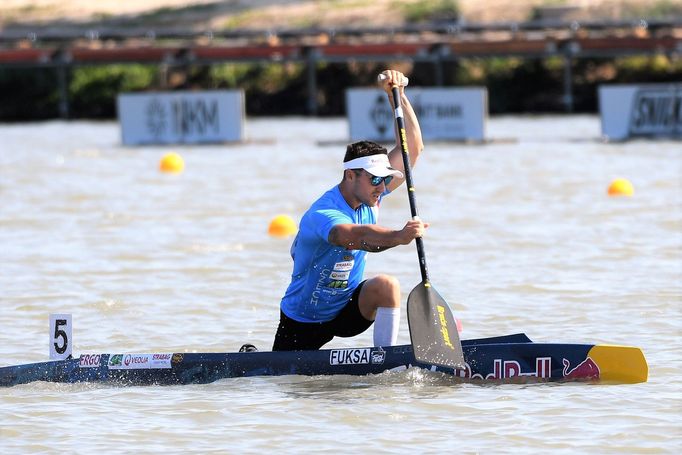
(436,44)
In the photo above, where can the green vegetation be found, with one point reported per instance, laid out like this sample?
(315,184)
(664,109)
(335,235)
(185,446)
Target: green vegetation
(93,89)
(623,10)
(17,14)
(431,10)
(238,20)
(514,84)
(28,94)
(661,9)
(166,12)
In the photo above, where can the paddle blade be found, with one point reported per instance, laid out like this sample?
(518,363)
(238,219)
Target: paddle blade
(433,329)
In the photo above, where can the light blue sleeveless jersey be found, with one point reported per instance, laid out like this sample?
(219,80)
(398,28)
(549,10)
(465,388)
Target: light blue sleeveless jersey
(325,275)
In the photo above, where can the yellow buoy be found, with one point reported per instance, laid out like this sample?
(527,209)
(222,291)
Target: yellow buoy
(172,163)
(621,187)
(282,226)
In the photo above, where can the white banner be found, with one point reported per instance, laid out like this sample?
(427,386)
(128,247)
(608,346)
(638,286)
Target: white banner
(181,117)
(443,113)
(645,110)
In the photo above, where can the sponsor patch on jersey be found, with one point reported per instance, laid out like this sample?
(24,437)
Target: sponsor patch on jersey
(338,284)
(344,266)
(339,276)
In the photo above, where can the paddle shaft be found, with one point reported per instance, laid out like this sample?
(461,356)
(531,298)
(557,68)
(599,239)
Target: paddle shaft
(433,328)
(400,120)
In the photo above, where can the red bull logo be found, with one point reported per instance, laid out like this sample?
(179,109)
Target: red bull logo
(510,369)
(587,369)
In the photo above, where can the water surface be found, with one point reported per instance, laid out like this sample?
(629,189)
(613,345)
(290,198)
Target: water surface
(523,238)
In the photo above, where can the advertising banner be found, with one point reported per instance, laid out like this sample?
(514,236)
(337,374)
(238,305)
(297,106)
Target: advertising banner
(181,117)
(644,110)
(444,113)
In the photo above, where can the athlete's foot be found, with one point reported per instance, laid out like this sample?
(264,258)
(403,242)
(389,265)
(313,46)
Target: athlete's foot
(248,347)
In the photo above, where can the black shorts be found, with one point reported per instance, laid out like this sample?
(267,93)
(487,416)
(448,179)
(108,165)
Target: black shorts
(305,336)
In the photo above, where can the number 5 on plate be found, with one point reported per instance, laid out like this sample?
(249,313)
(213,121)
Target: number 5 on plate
(60,336)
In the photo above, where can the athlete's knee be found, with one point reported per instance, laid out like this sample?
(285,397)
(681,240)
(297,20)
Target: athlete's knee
(388,289)
(388,282)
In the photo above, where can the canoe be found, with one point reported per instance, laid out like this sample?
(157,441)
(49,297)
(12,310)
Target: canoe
(505,359)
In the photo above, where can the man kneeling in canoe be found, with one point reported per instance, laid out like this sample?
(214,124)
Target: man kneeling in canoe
(327,296)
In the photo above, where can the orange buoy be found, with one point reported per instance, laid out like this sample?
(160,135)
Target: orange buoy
(282,226)
(621,187)
(172,163)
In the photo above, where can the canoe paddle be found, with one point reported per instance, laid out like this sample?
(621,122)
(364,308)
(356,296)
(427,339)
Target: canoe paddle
(433,330)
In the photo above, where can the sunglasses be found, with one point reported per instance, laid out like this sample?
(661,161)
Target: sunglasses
(376,181)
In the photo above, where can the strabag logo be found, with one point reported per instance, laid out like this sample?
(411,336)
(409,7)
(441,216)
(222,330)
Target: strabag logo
(356,356)
(161,360)
(657,112)
(344,266)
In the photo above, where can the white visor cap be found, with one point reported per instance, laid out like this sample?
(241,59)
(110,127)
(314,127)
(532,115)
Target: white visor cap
(374,164)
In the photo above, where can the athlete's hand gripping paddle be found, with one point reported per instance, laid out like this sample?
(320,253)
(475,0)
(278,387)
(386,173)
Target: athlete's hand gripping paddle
(433,330)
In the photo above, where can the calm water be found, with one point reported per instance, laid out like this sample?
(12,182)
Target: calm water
(523,238)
